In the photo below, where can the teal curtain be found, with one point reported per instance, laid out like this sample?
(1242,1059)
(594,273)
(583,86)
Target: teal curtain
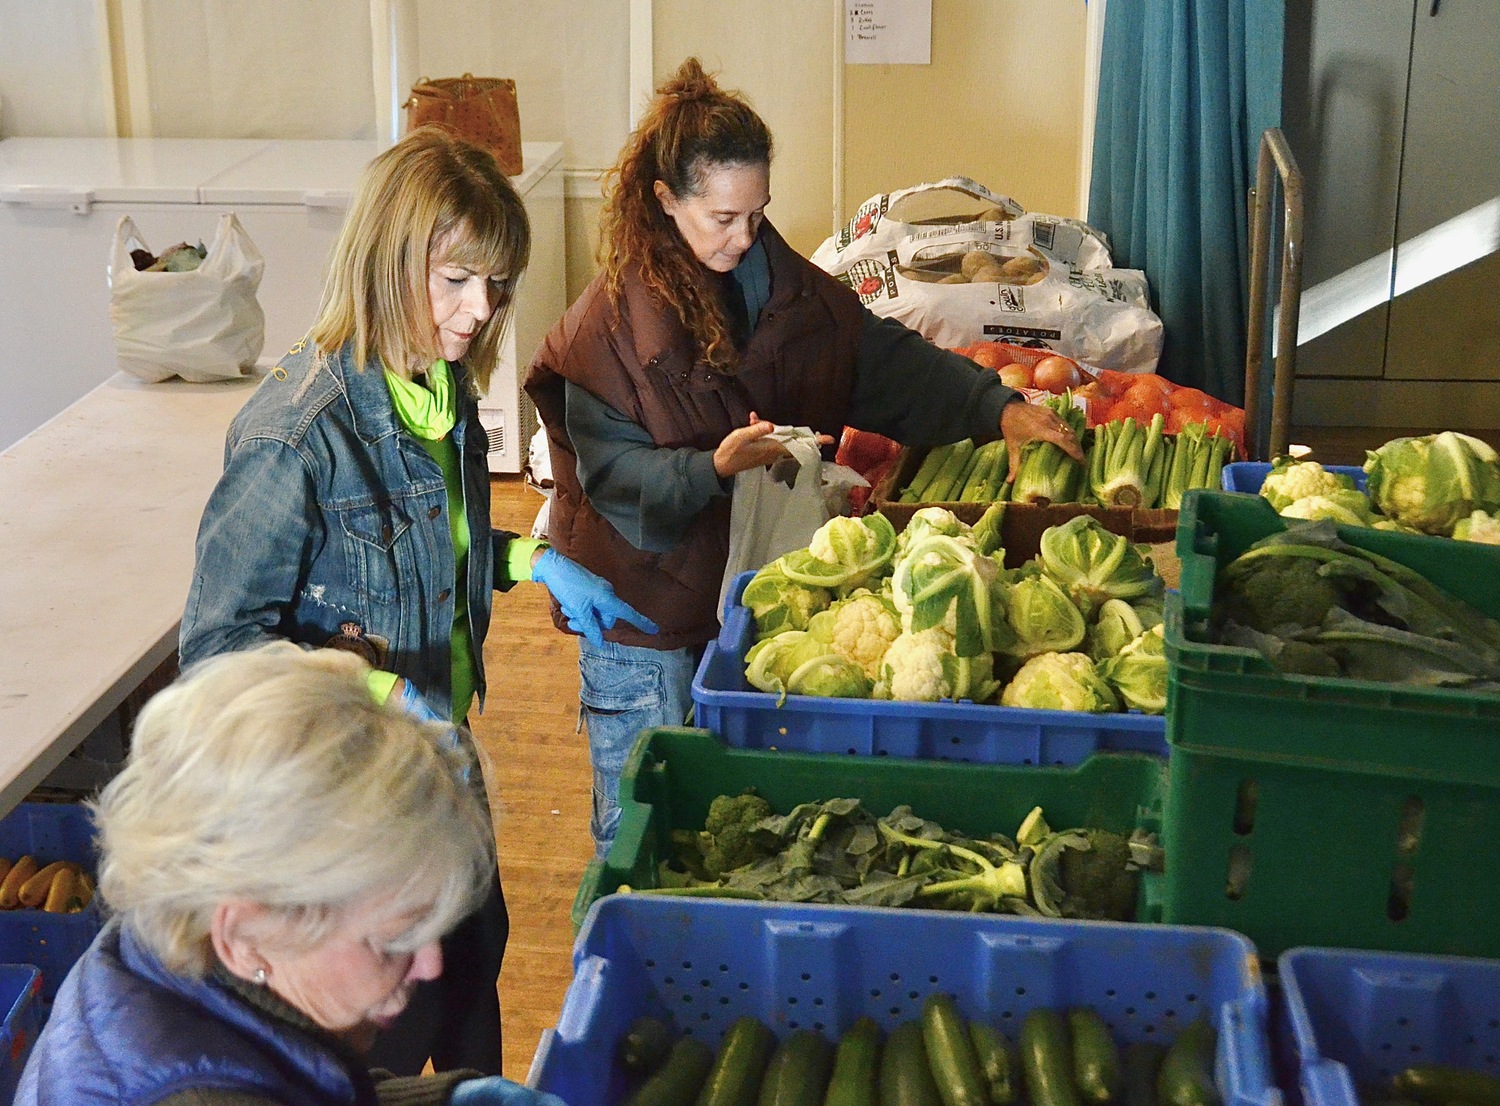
(1186,88)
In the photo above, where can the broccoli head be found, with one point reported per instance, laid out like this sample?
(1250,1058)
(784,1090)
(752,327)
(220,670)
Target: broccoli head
(726,841)
(1268,592)
(1099,882)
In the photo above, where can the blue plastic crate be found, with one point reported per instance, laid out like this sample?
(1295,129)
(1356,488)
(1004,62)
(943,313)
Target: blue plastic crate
(1353,1019)
(702,963)
(52,942)
(1248,476)
(984,734)
(20,998)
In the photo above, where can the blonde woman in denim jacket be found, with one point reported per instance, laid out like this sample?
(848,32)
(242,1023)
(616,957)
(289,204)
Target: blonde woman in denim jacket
(354,507)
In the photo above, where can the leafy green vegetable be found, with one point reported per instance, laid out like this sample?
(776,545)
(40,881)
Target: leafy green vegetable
(798,663)
(941,582)
(928,522)
(1116,626)
(1480,526)
(726,841)
(1434,481)
(1127,462)
(1042,617)
(1045,474)
(1059,681)
(1346,506)
(1091,564)
(1198,459)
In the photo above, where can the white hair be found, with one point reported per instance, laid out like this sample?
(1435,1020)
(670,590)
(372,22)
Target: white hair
(272,776)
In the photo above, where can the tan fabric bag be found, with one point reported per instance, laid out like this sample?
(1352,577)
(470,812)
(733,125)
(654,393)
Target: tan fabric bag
(481,110)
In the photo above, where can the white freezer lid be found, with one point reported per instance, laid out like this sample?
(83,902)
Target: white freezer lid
(69,171)
(323,172)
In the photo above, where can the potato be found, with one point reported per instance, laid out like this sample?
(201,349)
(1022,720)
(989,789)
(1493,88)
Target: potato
(992,214)
(976,260)
(954,278)
(1023,269)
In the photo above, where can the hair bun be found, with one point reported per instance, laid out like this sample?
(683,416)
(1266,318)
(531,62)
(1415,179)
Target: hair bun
(689,83)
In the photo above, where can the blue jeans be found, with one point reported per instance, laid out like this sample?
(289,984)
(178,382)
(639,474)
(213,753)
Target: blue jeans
(626,689)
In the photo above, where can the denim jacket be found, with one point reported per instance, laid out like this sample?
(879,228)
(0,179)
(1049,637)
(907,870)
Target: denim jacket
(329,520)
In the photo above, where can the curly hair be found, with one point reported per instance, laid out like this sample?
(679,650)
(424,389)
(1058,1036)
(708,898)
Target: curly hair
(690,128)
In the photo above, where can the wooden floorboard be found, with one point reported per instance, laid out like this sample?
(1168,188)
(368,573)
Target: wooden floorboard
(539,782)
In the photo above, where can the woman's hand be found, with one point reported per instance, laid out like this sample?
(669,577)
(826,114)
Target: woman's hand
(747,448)
(1022,422)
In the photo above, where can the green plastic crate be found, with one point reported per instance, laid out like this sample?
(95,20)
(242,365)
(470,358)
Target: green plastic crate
(1318,811)
(672,775)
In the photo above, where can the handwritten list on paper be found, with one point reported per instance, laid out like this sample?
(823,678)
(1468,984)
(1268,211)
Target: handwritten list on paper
(888,32)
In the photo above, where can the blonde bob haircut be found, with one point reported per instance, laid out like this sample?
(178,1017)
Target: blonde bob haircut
(272,776)
(431,198)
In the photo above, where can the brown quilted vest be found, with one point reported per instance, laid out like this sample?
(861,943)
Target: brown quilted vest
(798,370)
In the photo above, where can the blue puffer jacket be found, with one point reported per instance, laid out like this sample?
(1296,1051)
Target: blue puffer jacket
(126,1031)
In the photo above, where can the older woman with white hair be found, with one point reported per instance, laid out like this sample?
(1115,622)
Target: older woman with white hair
(281,856)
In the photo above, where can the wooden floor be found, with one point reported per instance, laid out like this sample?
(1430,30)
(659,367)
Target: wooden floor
(539,784)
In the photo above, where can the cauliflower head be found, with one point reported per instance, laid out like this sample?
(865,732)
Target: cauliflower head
(1060,681)
(1289,481)
(844,553)
(1481,526)
(1345,506)
(779,604)
(1434,481)
(923,667)
(860,629)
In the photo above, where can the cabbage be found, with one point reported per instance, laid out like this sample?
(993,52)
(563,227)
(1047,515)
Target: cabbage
(844,553)
(798,663)
(1059,681)
(1434,481)
(1139,672)
(1092,565)
(1117,626)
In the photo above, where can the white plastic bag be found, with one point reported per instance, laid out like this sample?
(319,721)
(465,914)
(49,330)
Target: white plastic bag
(908,254)
(201,325)
(538,477)
(776,508)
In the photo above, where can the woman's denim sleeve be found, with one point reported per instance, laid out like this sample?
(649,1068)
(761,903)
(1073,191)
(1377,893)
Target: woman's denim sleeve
(259,530)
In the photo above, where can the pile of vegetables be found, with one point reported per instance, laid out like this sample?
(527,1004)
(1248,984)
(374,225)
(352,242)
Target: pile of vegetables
(1446,484)
(933,614)
(1129,464)
(1064,1057)
(836,851)
(1316,606)
(58,887)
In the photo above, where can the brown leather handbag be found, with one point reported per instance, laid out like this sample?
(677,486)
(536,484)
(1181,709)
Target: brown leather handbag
(481,110)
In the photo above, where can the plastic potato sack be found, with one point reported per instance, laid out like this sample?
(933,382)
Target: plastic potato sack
(959,264)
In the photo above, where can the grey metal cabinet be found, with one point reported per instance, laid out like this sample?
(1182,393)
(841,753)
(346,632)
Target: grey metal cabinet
(1393,110)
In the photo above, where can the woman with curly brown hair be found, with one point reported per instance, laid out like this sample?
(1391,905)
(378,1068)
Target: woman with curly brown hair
(702,331)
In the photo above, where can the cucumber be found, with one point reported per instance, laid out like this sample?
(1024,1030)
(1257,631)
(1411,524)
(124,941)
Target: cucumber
(1002,1075)
(1047,1059)
(645,1044)
(855,1066)
(925,472)
(734,1080)
(797,1074)
(1141,1060)
(677,1081)
(905,1078)
(1096,1061)
(950,1054)
(1186,1077)
(1441,1083)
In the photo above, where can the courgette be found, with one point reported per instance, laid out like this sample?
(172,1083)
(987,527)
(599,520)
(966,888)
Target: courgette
(734,1080)
(1141,1060)
(645,1044)
(950,1054)
(856,1066)
(679,1078)
(905,1078)
(1186,1077)
(1047,1059)
(1441,1083)
(1002,1075)
(1096,1061)
(797,1074)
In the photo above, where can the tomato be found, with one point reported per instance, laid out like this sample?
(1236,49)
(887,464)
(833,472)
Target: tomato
(1057,374)
(1016,375)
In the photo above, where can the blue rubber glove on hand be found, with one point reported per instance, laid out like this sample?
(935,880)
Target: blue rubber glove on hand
(494,1091)
(588,601)
(409,699)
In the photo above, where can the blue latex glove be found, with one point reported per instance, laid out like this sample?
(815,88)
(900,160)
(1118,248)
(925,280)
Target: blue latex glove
(494,1091)
(588,601)
(409,699)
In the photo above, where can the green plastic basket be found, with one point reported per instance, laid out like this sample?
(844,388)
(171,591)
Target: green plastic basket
(1318,811)
(672,775)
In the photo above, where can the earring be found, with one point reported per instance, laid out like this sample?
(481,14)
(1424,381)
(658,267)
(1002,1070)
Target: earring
(260,977)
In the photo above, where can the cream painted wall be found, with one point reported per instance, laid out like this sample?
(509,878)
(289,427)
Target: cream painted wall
(1002,103)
